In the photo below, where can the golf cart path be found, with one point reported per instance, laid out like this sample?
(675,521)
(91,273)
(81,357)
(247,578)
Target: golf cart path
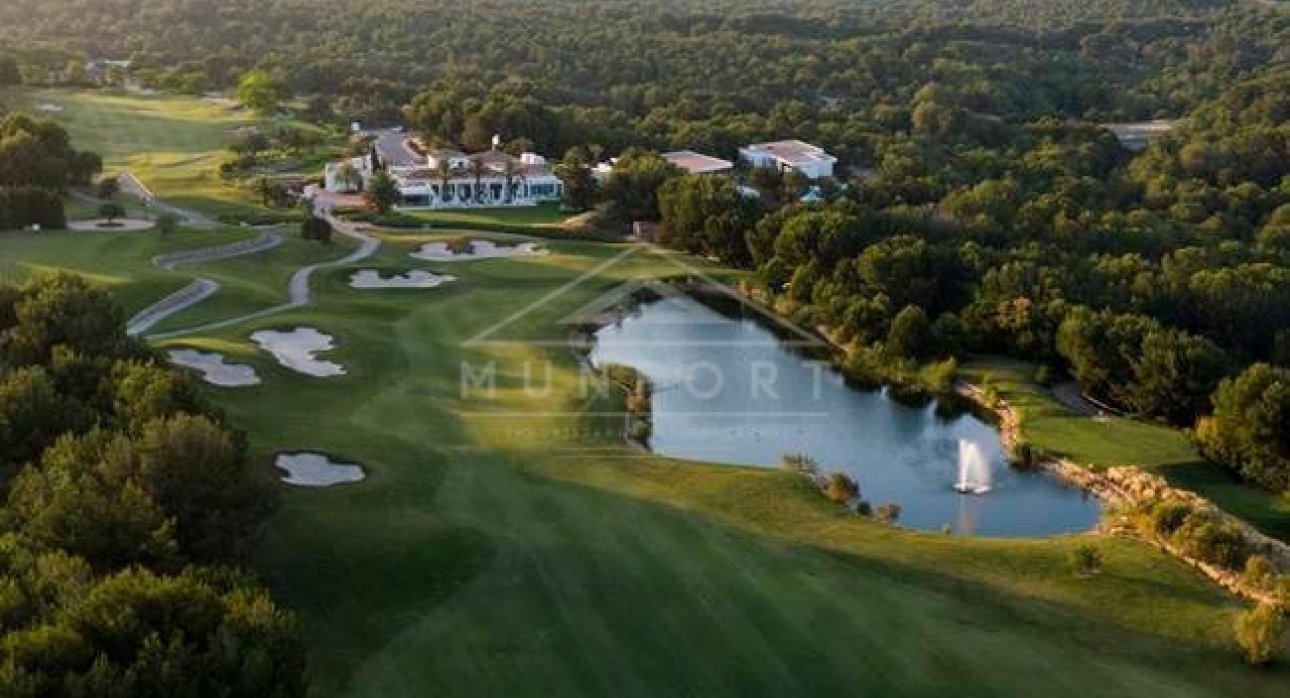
(201,288)
(131,185)
(298,291)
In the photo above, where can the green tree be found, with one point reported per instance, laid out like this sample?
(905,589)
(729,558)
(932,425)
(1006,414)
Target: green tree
(87,497)
(197,471)
(706,215)
(140,633)
(634,183)
(32,414)
(316,228)
(109,212)
(141,391)
(1174,375)
(575,173)
(61,308)
(910,334)
(107,187)
(259,90)
(1250,428)
(382,193)
(349,177)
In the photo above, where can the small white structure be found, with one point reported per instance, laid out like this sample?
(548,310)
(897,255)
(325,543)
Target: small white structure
(808,160)
(449,178)
(698,163)
(1136,136)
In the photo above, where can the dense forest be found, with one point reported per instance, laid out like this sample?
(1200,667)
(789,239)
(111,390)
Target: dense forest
(981,203)
(129,509)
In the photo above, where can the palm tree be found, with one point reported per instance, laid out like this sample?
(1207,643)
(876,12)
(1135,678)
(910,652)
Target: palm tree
(444,169)
(347,175)
(477,169)
(511,171)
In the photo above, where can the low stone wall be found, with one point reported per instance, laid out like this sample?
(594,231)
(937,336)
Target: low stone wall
(1128,487)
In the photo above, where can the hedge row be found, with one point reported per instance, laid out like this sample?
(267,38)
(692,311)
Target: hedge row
(22,207)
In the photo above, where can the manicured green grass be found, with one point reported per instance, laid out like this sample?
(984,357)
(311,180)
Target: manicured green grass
(510,544)
(121,261)
(255,281)
(1051,426)
(536,554)
(173,144)
(546,214)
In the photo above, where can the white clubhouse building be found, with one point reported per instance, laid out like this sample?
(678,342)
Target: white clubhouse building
(450,178)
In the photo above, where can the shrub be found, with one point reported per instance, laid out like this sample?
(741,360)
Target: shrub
(315,228)
(1205,537)
(1087,560)
(1259,633)
(887,513)
(21,207)
(1163,518)
(841,488)
(1025,454)
(1260,574)
(799,463)
(461,245)
(641,431)
(939,376)
(1044,375)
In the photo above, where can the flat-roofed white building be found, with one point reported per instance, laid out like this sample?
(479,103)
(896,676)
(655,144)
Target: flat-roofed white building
(808,160)
(445,178)
(698,163)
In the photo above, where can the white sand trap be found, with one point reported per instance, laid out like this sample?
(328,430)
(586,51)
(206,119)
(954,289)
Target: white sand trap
(371,279)
(317,470)
(296,350)
(214,370)
(50,107)
(120,224)
(480,249)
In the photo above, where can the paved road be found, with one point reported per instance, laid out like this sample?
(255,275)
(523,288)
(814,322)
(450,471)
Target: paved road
(394,150)
(201,288)
(132,186)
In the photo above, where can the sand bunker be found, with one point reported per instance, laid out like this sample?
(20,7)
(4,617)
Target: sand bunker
(317,470)
(296,350)
(214,370)
(371,279)
(480,249)
(120,224)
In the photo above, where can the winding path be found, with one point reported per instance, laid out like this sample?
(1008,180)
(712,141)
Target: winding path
(131,185)
(298,291)
(201,288)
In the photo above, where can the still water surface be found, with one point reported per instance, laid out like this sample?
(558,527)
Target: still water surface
(728,391)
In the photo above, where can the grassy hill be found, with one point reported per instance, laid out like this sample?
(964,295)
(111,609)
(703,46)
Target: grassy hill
(174,144)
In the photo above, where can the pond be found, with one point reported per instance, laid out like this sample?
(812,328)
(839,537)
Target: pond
(727,390)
